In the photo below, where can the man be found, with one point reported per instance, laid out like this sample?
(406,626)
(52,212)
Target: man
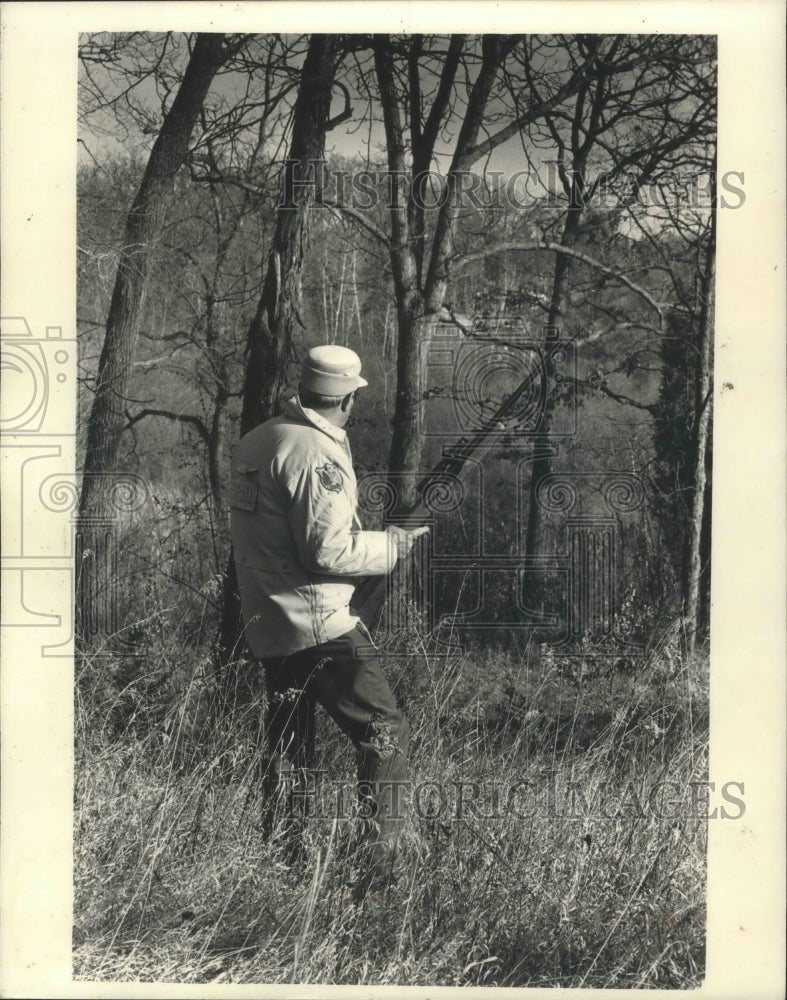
(298,543)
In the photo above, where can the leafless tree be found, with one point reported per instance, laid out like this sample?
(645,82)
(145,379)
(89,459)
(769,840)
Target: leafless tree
(644,112)
(167,156)
(269,342)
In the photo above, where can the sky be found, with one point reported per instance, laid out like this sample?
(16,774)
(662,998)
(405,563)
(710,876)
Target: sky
(102,134)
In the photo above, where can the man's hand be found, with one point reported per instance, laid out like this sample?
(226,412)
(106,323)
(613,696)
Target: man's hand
(405,538)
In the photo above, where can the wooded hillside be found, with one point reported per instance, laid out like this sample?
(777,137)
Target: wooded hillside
(209,263)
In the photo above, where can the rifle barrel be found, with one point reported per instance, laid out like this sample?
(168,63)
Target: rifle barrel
(454,459)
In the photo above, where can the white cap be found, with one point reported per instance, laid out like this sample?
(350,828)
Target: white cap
(332,370)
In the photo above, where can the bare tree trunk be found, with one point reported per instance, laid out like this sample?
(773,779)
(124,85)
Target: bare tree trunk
(356,300)
(406,440)
(337,316)
(217,428)
(269,342)
(107,415)
(326,291)
(542,465)
(697,538)
(405,452)
(419,295)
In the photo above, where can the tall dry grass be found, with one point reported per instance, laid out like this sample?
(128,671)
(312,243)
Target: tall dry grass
(174,881)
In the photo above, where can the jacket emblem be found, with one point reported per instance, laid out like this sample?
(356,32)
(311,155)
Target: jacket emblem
(243,494)
(330,477)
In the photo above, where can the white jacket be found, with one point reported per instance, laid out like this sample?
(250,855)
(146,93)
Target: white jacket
(296,535)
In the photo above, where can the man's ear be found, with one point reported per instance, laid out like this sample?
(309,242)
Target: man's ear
(346,401)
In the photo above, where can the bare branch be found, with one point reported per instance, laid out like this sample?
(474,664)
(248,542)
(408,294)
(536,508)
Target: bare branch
(345,113)
(182,418)
(440,103)
(358,218)
(465,259)
(538,110)
(619,397)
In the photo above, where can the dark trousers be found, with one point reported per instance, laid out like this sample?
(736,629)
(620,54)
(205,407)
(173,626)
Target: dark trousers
(352,688)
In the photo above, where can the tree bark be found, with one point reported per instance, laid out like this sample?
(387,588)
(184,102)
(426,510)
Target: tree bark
(421,274)
(95,578)
(420,296)
(698,537)
(542,463)
(107,416)
(406,440)
(215,322)
(269,343)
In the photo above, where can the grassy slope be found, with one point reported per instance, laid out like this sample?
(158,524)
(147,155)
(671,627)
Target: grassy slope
(174,881)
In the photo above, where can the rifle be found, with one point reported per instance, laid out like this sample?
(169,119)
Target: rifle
(368,593)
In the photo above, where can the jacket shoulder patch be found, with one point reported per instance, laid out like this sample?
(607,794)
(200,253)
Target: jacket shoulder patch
(243,494)
(330,477)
